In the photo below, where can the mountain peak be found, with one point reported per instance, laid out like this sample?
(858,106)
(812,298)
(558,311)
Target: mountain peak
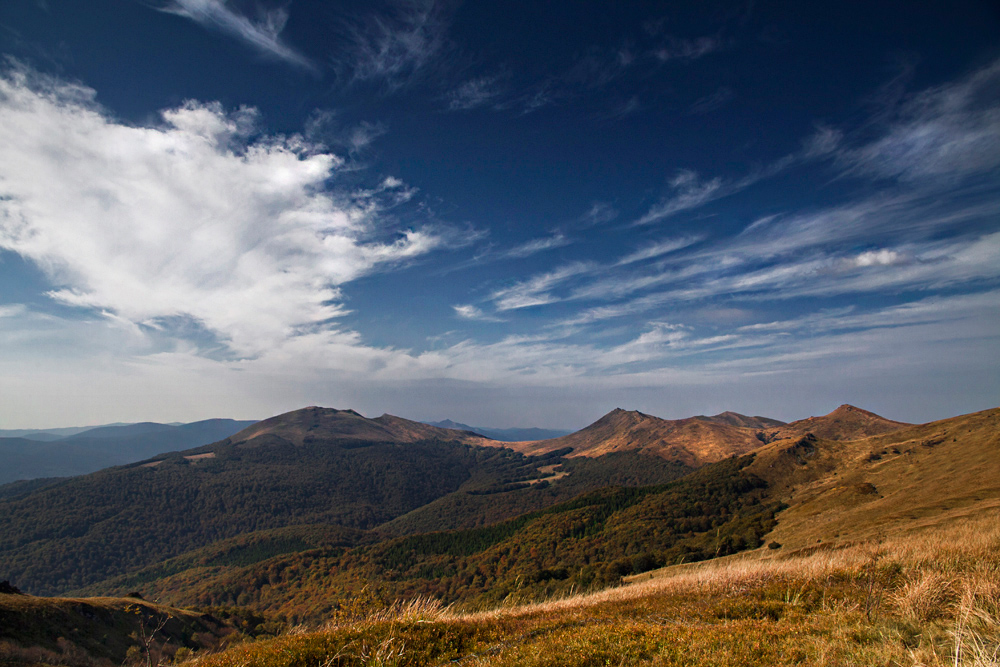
(743,421)
(693,441)
(847,422)
(318,423)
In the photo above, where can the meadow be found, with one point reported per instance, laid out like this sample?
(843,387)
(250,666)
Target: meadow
(929,597)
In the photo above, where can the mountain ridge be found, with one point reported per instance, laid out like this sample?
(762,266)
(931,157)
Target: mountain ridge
(513,434)
(105,446)
(847,422)
(702,439)
(692,441)
(298,426)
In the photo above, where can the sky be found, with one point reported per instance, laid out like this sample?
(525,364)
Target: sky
(506,214)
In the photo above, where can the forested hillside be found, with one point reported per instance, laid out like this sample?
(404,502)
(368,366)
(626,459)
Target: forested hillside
(591,541)
(88,528)
(312,466)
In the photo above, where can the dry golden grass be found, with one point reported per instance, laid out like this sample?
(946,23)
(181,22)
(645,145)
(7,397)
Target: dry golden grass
(930,598)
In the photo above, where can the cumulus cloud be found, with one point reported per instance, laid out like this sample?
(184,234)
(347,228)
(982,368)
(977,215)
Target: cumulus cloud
(189,220)
(263,34)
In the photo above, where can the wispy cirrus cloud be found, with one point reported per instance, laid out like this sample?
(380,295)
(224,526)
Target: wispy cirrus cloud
(535,246)
(950,131)
(928,230)
(658,249)
(470,312)
(599,213)
(720,98)
(536,291)
(689,191)
(475,93)
(394,47)
(686,49)
(262,33)
(539,290)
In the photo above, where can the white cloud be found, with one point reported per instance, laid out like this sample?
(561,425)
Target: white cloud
(949,132)
(658,249)
(262,34)
(12,310)
(598,214)
(536,291)
(474,93)
(393,48)
(187,221)
(877,257)
(688,192)
(536,246)
(470,312)
(720,98)
(687,49)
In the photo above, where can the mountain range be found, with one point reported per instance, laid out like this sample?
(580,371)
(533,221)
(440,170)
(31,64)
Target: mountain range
(46,454)
(503,434)
(294,516)
(793,492)
(695,441)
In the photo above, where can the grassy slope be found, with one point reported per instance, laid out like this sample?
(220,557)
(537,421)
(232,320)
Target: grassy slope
(931,601)
(907,572)
(78,631)
(850,490)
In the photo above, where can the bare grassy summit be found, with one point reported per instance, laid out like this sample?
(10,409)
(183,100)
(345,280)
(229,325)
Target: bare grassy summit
(845,423)
(901,481)
(694,441)
(315,423)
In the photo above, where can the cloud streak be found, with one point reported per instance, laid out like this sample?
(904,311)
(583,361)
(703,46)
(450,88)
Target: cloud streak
(264,34)
(394,48)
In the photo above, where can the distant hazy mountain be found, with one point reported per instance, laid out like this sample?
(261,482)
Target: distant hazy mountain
(27,457)
(47,434)
(503,434)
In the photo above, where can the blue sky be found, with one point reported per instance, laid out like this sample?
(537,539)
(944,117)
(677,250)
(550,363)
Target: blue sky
(507,214)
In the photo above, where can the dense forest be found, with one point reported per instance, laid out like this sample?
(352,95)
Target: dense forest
(62,535)
(590,541)
(88,528)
